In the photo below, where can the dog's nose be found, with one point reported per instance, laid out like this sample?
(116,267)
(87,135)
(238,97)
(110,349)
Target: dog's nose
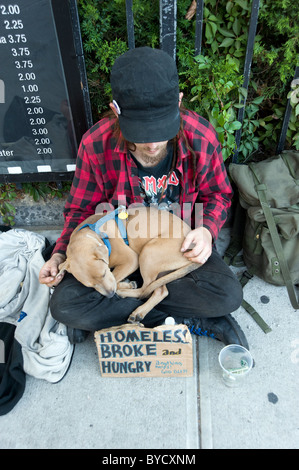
(110,294)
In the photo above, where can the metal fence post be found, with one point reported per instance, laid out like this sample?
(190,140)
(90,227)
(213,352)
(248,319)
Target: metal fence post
(168,15)
(286,120)
(130,24)
(199,26)
(247,69)
(81,60)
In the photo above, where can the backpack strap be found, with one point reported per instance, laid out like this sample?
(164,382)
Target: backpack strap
(231,255)
(256,317)
(261,192)
(246,276)
(286,160)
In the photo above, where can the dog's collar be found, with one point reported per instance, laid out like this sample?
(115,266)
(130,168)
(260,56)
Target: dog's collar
(112,215)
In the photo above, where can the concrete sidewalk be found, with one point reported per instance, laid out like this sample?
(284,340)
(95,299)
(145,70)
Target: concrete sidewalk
(264,412)
(87,411)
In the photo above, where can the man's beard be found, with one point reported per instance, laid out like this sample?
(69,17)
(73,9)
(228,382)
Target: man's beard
(153,160)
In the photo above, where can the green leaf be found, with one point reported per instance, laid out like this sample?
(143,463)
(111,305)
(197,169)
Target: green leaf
(258,100)
(233,126)
(226,33)
(243,4)
(227,42)
(237,26)
(214,46)
(221,120)
(229,6)
(9,207)
(221,138)
(209,32)
(213,18)
(243,91)
(248,145)
(231,140)
(214,28)
(200,58)
(225,153)
(202,66)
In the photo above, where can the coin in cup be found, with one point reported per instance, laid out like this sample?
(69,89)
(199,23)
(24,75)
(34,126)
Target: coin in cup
(235,362)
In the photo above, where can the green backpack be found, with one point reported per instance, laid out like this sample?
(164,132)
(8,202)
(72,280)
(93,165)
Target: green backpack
(269,195)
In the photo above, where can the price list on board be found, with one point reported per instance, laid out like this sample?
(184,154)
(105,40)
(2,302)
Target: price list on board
(36,122)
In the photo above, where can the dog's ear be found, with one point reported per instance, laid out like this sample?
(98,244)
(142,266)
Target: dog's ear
(100,253)
(65,266)
(100,250)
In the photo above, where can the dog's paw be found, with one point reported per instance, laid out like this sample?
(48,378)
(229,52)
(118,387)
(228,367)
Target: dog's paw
(120,293)
(133,284)
(133,321)
(136,316)
(126,284)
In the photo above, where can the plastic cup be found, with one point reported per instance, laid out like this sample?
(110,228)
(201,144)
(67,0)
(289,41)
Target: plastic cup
(236,362)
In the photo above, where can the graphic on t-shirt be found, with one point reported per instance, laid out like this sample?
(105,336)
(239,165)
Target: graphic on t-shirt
(155,183)
(156,190)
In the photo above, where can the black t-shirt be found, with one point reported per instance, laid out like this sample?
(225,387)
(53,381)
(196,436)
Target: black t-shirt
(152,181)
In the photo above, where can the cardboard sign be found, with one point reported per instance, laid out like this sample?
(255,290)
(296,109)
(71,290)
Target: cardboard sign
(135,351)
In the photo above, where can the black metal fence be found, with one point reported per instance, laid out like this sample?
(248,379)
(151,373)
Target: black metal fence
(44,97)
(168,21)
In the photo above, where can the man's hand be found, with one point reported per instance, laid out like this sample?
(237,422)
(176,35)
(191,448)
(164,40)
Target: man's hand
(50,270)
(199,242)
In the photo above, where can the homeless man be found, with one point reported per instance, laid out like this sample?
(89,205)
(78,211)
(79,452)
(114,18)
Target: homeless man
(149,150)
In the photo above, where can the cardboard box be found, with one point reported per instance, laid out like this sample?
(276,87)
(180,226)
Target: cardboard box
(135,351)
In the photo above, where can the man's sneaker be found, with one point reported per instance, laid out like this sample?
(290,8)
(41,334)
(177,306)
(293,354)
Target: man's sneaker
(224,329)
(76,336)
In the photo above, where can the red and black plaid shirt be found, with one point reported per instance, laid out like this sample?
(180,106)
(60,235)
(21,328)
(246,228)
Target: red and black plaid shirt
(105,172)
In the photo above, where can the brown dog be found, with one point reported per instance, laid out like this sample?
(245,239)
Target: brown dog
(155,238)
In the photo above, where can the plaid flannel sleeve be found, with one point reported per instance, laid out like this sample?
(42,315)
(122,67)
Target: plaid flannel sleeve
(214,189)
(215,195)
(86,192)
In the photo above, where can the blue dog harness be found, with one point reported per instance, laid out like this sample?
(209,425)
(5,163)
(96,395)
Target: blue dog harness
(112,215)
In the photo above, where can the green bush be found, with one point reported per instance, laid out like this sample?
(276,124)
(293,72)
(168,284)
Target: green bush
(211,82)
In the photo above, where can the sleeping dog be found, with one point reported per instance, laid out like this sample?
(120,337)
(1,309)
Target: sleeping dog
(106,248)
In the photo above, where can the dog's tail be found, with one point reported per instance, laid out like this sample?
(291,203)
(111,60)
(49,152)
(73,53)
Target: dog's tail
(161,281)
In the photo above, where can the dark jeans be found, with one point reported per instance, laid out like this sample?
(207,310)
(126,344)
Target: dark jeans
(212,290)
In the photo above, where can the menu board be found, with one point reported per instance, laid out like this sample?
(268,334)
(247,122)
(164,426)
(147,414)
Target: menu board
(44,104)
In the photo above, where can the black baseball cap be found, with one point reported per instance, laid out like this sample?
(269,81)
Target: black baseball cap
(145,89)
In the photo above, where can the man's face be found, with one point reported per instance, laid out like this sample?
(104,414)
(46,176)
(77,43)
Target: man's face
(150,154)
